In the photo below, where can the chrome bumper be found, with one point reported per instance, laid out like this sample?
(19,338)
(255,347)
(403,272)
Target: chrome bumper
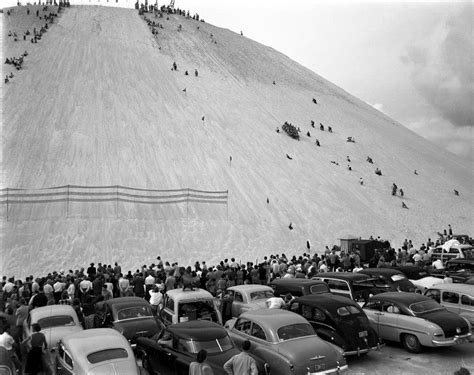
(453,341)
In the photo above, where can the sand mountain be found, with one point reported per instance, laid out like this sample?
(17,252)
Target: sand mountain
(98,104)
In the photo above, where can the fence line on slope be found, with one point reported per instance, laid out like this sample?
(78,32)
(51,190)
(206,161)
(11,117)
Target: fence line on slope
(110,193)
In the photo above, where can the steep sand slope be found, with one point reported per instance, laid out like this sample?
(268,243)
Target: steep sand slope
(98,104)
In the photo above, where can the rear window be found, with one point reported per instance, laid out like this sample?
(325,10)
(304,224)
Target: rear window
(56,321)
(348,310)
(218,345)
(294,331)
(419,308)
(107,355)
(134,312)
(319,288)
(261,294)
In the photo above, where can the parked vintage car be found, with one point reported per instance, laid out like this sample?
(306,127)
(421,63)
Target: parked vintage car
(183,305)
(131,316)
(415,321)
(7,367)
(458,298)
(286,342)
(452,249)
(101,351)
(390,279)
(338,320)
(299,287)
(354,285)
(172,351)
(56,322)
(460,270)
(240,298)
(419,277)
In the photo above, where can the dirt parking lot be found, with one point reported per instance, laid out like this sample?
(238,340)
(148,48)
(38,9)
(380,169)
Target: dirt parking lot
(392,359)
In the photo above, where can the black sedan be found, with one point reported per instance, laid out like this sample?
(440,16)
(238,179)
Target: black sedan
(390,279)
(131,316)
(172,351)
(339,320)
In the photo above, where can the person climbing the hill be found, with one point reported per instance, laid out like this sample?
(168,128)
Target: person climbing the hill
(186,73)
(378,172)
(456,192)
(415,172)
(369,159)
(315,101)
(401,192)
(308,134)
(289,157)
(321,127)
(404,205)
(175,67)
(317,143)
(196,72)
(349,167)
(394,189)
(312,123)
(348,158)
(361,181)
(329,129)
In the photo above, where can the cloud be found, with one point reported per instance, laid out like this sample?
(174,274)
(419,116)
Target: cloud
(442,68)
(457,139)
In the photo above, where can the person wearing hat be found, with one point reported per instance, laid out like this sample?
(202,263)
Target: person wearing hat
(91,271)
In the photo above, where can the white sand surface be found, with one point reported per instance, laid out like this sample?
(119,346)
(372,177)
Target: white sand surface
(97,103)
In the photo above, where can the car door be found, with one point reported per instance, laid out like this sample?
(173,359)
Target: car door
(451,301)
(167,312)
(237,304)
(389,321)
(241,331)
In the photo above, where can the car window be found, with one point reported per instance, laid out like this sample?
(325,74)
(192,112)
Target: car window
(466,300)
(337,285)
(347,310)
(170,304)
(435,294)
(134,312)
(56,321)
(218,345)
(318,315)
(243,325)
(68,360)
(238,297)
(373,305)
(450,297)
(293,331)
(422,307)
(261,294)
(258,332)
(199,310)
(107,355)
(391,308)
(318,288)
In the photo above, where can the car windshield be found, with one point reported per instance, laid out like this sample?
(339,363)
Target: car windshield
(261,294)
(219,345)
(56,321)
(134,312)
(422,307)
(293,331)
(348,310)
(107,355)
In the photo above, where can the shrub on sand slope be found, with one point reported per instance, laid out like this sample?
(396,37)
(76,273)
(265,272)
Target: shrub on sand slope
(291,130)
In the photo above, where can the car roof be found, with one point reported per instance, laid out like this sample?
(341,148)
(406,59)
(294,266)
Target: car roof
(381,271)
(296,281)
(93,340)
(52,310)
(198,330)
(327,301)
(457,287)
(402,297)
(125,300)
(196,293)
(250,288)
(273,317)
(349,276)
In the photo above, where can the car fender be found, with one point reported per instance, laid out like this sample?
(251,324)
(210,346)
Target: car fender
(331,336)
(277,363)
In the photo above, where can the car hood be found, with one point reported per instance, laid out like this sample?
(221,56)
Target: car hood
(53,335)
(311,350)
(448,321)
(115,368)
(140,327)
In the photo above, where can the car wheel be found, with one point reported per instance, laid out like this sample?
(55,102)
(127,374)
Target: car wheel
(411,343)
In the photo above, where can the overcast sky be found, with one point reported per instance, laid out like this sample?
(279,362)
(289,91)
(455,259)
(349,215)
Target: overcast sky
(412,60)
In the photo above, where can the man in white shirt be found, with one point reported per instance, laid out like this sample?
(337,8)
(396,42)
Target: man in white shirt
(275,302)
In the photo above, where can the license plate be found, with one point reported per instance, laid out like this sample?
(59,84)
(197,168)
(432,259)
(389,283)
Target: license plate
(363,334)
